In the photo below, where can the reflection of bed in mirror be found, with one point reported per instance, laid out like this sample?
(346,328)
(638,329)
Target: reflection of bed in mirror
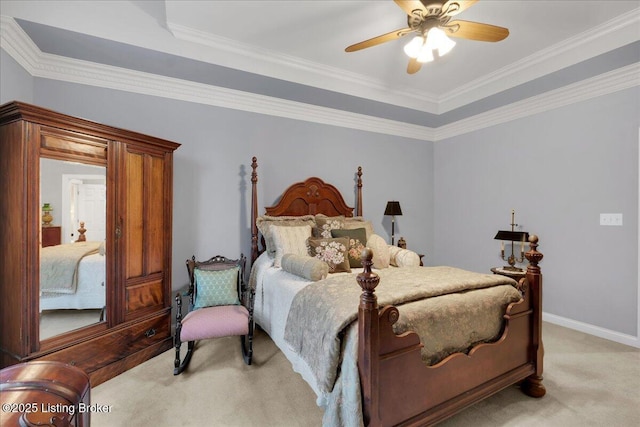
(72,276)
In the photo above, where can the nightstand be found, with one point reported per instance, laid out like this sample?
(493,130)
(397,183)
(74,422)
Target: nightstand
(51,236)
(515,275)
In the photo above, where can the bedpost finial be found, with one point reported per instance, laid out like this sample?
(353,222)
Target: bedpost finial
(367,257)
(368,281)
(533,255)
(254,166)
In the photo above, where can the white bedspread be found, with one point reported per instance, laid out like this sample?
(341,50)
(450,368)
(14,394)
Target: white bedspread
(275,290)
(90,293)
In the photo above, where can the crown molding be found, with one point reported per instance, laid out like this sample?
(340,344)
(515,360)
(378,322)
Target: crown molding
(17,44)
(249,58)
(603,84)
(610,35)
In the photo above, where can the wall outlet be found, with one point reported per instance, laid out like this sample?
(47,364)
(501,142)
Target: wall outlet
(611,219)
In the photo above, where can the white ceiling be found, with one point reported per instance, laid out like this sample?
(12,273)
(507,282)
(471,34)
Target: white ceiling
(304,41)
(315,34)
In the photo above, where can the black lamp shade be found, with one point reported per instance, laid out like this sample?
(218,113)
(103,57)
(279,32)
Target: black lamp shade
(393,208)
(514,236)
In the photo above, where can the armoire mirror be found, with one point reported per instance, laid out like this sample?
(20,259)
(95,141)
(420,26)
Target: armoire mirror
(72,261)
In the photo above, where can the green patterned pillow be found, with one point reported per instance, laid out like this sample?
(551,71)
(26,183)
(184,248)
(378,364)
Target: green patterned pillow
(216,287)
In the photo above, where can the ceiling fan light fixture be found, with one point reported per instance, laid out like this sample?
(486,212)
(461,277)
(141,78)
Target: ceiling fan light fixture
(426,55)
(438,40)
(430,23)
(414,47)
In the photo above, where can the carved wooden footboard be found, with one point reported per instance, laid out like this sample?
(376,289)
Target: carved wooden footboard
(399,389)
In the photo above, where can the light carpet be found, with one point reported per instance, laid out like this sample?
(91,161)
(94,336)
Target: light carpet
(590,382)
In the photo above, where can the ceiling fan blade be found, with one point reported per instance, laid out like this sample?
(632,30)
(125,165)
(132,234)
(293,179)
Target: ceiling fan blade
(414,66)
(379,39)
(454,7)
(410,5)
(475,31)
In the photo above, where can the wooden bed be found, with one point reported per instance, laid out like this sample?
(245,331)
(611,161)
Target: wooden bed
(397,388)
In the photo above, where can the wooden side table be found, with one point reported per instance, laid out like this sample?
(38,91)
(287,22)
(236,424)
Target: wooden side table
(51,236)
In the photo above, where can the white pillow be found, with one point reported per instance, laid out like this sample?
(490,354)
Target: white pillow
(400,257)
(380,251)
(289,240)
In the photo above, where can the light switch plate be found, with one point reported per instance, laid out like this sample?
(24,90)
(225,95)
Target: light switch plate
(611,219)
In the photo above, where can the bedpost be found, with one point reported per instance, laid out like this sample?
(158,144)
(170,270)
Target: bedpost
(369,341)
(254,210)
(533,386)
(359,192)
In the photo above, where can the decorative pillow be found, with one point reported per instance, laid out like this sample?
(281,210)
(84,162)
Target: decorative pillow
(305,266)
(400,257)
(357,239)
(380,251)
(216,287)
(351,223)
(331,251)
(289,240)
(265,222)
(324,225)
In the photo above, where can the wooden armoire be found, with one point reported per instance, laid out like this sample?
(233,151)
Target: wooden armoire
(136,320)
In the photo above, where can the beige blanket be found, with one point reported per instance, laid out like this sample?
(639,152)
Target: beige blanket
(320,313)
(59,266)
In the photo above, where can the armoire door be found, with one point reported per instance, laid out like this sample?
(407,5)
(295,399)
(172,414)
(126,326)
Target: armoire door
(145,229)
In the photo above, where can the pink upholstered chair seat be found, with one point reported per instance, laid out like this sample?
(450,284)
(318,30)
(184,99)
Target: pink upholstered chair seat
(220,305)
(215,322)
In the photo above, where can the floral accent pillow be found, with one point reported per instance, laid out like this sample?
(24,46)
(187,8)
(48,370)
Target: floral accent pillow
(357,240)
(324,225)
(331,251)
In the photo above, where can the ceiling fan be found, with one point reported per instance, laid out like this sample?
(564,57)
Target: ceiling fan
(431,20)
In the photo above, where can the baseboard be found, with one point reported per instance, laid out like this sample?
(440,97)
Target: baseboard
(592,330)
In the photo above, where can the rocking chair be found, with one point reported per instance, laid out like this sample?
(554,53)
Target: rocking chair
(220,305)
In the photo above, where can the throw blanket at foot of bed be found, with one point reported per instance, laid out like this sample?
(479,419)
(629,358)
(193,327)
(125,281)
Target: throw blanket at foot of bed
(468,310)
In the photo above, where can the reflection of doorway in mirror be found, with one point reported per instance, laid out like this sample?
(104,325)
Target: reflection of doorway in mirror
(85,196)
(91,209)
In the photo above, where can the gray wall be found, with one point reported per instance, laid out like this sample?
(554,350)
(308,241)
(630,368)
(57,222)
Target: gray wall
(559,170)
(212,186)
(15,82)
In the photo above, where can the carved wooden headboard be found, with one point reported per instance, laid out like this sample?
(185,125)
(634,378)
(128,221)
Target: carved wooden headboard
(313,196)
(310,197)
